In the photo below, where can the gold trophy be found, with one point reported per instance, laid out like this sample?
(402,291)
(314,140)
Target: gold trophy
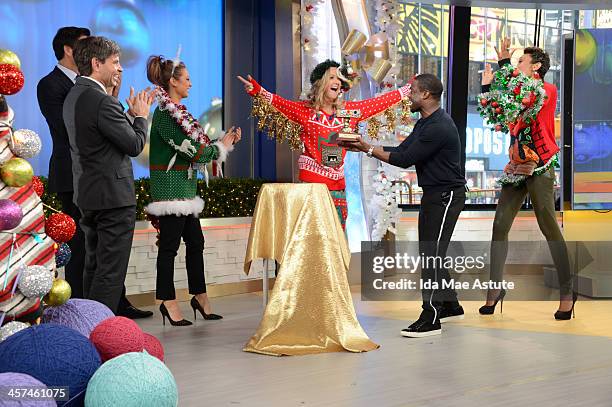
(347,133)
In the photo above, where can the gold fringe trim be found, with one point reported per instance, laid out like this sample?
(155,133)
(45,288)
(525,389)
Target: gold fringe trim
(275,124)
(390,115)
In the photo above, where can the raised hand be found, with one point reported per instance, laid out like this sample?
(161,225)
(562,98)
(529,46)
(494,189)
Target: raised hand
(505,52)
(117,87)
(487,75)
(248,86)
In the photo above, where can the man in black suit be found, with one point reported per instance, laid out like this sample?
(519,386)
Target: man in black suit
(102,140)
(51,92)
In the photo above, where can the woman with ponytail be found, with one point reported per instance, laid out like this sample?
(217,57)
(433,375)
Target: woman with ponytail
(179,147)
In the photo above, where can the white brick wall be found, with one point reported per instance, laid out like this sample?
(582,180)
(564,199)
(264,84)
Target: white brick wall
(225,242)
(478,225)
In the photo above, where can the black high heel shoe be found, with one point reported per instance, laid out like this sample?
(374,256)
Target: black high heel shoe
(490,309)
(166,314)
(566,315)
(195,304)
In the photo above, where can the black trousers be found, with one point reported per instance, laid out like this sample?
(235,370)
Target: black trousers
(171,229)
(74,268)
(108,241)
(437,219)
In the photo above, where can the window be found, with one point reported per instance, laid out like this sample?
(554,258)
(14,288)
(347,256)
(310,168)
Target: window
(486,150)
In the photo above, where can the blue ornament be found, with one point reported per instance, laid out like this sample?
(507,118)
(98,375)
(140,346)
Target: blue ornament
(56,355)
(63,255)
(124,23)
(130,380)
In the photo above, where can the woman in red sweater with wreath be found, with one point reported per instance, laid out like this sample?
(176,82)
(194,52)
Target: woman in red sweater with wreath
(312,124)
(533,150)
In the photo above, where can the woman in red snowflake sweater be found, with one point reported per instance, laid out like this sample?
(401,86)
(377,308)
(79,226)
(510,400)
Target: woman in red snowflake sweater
(322,160)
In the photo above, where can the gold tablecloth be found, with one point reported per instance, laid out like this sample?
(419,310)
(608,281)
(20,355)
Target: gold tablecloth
(310,308)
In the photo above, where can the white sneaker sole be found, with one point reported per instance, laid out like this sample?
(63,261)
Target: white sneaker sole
(452,318)
(421,334)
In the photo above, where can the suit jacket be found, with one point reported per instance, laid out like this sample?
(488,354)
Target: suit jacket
(51,92)
(102,140)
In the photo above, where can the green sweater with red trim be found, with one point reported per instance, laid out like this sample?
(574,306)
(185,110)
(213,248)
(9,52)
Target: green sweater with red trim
(167,139)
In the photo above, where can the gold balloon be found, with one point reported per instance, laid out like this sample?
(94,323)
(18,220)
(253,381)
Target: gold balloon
(16,172)
(9,57)
(59,294)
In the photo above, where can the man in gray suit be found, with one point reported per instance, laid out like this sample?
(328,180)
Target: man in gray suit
(102,140)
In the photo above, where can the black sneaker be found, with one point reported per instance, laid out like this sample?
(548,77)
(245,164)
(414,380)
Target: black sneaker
(453,313)
(422,328)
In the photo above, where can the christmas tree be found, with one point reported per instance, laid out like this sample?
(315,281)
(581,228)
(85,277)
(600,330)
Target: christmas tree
(27,249)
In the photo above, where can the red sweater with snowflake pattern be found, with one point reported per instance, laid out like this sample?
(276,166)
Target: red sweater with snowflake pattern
(322,160)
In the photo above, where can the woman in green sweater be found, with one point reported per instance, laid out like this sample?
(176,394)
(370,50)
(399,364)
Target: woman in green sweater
(179,147)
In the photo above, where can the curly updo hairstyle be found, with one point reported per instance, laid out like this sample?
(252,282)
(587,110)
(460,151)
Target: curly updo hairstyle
(159,71)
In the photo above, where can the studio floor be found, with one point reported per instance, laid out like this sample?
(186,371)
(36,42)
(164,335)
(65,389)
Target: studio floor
(520,358)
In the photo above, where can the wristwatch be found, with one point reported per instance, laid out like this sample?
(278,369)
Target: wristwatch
(370,151)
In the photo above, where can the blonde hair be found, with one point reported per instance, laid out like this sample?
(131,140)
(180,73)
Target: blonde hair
(317,92)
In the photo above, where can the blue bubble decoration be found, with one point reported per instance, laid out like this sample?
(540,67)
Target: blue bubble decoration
(133,379)
(56,355)
(123,22)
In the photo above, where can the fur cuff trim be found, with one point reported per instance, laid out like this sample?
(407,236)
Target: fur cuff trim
(223,151)
(179,207)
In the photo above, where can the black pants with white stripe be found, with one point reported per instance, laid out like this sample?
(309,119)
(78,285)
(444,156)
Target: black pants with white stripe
(437,218)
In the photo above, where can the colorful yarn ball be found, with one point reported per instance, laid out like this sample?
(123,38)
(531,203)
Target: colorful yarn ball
(21,380)
(132,380)
(62,255)
(35,281)
(10,214)
(153,346)
(116,336)
(59,294)
(25,143)
(38,186)
(78,314)
(11,328)
(11,79)
(60,227)
(54,354)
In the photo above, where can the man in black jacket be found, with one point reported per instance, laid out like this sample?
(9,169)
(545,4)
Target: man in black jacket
(102,140)
(51,92)
(434,148)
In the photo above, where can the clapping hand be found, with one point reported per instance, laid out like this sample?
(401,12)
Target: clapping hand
(487,75)
(231,137)
(140,103)
(248,86)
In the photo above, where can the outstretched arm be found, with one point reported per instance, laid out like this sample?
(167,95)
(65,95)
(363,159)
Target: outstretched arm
(372,107)
(408,153)
(294,111)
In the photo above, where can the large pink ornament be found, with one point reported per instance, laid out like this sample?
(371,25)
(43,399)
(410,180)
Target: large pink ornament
(10,214)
